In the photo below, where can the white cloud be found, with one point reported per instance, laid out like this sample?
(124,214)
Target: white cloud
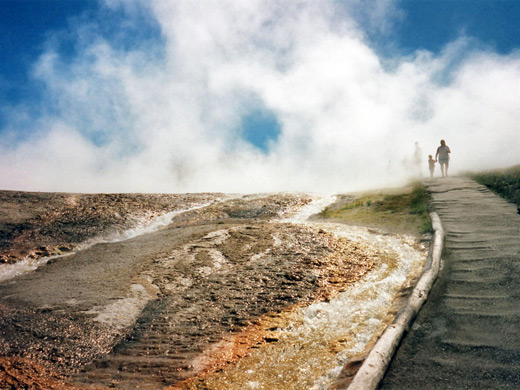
(136,120)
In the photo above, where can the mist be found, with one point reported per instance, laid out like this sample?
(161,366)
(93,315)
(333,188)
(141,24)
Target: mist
(168,115)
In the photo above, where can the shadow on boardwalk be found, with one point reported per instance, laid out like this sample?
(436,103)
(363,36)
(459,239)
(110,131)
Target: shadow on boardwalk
(466,335)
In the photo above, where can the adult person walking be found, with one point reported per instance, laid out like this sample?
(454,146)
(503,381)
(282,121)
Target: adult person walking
(443,157)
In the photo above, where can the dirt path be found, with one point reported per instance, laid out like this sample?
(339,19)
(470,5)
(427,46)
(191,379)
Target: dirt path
(466,336)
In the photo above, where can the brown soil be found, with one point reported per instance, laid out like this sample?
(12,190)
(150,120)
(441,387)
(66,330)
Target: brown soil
(19,373)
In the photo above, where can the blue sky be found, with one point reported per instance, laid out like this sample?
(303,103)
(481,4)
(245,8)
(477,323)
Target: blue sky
(25,26)
(430,24)
(71,70)
(30,27)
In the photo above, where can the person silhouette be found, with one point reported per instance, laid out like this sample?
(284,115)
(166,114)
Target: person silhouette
(443,154)
(431,165)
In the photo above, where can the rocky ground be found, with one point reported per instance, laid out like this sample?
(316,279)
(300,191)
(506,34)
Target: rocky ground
(37,224)
(149,312)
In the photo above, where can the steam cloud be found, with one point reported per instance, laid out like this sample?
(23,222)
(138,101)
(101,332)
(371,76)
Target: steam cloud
(167,116)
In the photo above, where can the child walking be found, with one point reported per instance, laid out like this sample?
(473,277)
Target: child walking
(431,165)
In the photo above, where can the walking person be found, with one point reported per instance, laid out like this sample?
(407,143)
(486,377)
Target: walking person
(443,156)
(431,165)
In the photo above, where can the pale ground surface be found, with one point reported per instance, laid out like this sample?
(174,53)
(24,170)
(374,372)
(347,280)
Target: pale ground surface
(72,316)
(466,336)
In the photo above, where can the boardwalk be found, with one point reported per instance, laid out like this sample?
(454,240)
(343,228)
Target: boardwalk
(467,335)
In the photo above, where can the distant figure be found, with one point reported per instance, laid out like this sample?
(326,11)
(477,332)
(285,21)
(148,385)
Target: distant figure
(389,168)
(431,165)
(443,154)
(418,159)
